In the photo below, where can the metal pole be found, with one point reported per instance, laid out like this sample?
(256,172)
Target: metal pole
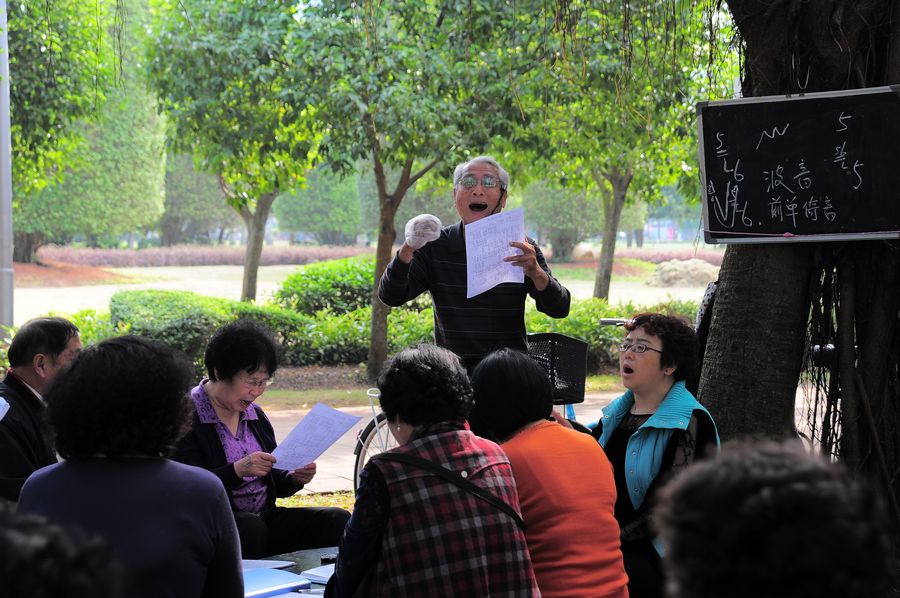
(6,228)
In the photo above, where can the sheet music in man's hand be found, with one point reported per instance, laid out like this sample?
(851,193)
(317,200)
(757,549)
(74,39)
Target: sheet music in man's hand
(487,243)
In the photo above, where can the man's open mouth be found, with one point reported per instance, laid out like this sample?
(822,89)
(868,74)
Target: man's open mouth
(478,207)
(627,370)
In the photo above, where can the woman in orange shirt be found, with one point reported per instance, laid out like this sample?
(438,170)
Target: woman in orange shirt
(565,482)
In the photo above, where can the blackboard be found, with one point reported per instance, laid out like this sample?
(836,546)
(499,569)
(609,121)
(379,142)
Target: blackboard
(812,167)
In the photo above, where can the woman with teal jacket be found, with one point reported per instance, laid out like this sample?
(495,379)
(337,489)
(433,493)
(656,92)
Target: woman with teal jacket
(650,433)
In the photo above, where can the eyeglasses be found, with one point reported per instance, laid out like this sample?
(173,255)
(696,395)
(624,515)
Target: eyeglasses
(469,181)
(635,348)
(257,383)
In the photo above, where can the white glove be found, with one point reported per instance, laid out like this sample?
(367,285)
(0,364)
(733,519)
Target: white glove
(422,229)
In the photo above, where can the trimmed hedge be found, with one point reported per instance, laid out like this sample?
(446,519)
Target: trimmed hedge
(339,285)
(185,321)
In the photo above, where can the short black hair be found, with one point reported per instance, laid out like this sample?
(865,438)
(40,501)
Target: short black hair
(122,397)
(40,335)
(424,385)
(511,391)
(241,346)
(43,560)
(769,519)
(681,348)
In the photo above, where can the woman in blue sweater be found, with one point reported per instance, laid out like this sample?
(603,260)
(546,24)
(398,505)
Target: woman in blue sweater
(650,433)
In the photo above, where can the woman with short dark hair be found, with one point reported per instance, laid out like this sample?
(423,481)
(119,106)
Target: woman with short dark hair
(564,480)
(439,515)
(232,437)
(117,412)
(650,433)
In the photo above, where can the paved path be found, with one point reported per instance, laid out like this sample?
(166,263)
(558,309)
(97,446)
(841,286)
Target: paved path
(335,466)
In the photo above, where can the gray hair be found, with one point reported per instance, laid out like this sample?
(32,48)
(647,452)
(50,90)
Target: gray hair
(461,170)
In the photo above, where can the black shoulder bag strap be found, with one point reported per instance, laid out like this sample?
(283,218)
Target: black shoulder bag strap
(454,478)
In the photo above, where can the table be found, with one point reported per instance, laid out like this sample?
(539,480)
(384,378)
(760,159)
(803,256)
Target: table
(305,559)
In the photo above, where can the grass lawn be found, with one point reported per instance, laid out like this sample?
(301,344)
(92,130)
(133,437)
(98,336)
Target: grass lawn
(338,498)
(603,383)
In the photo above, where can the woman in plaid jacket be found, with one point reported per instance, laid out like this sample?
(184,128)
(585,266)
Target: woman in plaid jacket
(413,531)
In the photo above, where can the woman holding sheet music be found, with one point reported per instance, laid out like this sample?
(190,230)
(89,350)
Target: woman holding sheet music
(232,437)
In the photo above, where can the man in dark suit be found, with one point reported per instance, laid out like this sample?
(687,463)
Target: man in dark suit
(40,349)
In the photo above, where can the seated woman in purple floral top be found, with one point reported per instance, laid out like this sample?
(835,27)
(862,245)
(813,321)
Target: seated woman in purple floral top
(232,437)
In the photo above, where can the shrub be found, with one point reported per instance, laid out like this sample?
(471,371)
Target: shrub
(95,325)
(583,322)
(339,285)
(184,321)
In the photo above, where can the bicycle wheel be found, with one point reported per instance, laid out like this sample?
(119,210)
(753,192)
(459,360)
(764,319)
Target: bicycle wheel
(375,438)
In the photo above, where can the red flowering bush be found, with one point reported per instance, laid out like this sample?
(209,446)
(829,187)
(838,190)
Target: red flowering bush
(194,255)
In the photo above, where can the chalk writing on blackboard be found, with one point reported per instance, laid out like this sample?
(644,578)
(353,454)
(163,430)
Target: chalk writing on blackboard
(811,167)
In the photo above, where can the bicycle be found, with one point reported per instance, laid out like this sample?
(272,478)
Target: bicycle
(563,357)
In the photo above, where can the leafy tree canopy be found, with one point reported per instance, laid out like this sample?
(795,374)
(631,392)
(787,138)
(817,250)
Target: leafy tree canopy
(194,205)
(60,65)
(327,206)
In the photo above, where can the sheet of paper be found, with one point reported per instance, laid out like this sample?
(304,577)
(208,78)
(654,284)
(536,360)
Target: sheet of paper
(321,428)
(487,243)
(319,574)
(4,407)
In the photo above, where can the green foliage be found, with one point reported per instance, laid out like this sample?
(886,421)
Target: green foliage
(407,328)
(221,71)
(194,204)
(95,325)
(339,285)
(432,194)
(290,328)
(114,182)
(565,215)
(6,334)
(327,206)
(184,321)
(60,64)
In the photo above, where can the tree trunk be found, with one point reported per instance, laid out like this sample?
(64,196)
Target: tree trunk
(563,245)
(756,343)
(255,222)
(25,246)
(639,237)
(612,216)
(388,204)
(754,352)
(378,348)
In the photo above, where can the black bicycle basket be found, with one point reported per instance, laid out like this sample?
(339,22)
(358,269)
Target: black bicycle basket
(565,359)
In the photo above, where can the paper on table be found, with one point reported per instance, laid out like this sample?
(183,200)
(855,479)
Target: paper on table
(321,428)
(487,243)
(319,574)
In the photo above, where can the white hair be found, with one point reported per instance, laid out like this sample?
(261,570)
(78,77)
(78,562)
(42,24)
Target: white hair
(461,170)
